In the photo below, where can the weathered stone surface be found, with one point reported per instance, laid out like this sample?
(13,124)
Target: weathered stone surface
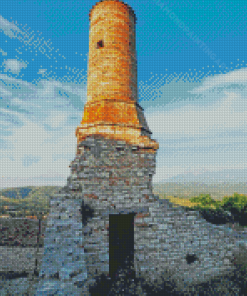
(170,242)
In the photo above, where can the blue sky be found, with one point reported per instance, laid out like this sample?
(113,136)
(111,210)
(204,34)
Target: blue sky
(192,82)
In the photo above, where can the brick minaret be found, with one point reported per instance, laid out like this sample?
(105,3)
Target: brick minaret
(106,221)
(115,160)
(112,108)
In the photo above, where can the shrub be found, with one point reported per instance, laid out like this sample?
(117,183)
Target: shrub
(205,201)
(237,205)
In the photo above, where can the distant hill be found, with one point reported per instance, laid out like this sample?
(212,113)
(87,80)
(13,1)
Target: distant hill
(223,176)
(191,189)
(23,192)
(37,198)
(16,193)
(27,197)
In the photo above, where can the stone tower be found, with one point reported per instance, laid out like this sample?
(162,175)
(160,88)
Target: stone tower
(112,108)
(107,218)
(117,181)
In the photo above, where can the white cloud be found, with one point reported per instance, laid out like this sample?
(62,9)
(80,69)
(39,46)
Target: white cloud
(203,135)
(238,76)
(8,28)
(16,81)
(4,92)
(42,72)
(3,52)
(56,118)
(195,136)
(43,142)
(228,112)
(16,101)
(14,66)
(34,153)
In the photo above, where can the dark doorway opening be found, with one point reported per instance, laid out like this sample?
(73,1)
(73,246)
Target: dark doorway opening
(121,244)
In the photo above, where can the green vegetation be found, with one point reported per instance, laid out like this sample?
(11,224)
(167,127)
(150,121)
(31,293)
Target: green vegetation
(232,209)
(236,205)
(238,202)
(206,201)
(26,201)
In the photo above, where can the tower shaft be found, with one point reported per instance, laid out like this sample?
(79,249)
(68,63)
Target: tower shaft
(112,108)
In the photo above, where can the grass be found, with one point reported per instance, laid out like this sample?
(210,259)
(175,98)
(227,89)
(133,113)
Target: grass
(180,201)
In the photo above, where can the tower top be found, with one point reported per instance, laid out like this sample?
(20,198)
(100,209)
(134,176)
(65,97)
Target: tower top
(112,108)
(131,11)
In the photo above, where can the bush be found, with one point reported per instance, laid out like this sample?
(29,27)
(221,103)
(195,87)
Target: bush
(237,205)
(238,201)
(206,201)
(211,210)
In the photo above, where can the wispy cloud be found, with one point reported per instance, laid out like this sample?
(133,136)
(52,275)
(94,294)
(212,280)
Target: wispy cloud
(197,136)
(3,52)
(205,134)
(36,46)
(9,28)
(37,142)
(14,66)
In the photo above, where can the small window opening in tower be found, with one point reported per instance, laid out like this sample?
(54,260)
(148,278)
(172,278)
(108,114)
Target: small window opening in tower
(100,44)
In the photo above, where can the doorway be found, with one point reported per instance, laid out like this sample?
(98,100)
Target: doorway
(121,242)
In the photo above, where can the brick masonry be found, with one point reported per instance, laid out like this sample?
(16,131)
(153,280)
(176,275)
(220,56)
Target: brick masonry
(112,107)
(111,177)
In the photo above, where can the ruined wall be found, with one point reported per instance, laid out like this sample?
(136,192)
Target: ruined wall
(109,178)
(166,237)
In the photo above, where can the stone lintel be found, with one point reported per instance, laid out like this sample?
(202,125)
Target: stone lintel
(133,210)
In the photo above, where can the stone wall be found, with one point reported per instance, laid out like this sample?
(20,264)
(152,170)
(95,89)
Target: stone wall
(110,177)
(18,259)
(63,267)
(21,232)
